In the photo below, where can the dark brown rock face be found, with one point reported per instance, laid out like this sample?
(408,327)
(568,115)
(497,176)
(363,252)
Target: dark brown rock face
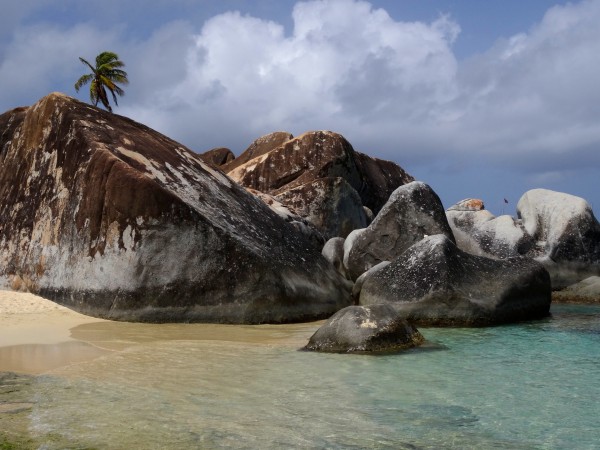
(116,220)
(330,204)
(307,172)
(218,156)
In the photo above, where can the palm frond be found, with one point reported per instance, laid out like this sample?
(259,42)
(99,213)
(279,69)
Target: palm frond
(106,57)
(104,76)
(94,92)
(84,79)
(89,65)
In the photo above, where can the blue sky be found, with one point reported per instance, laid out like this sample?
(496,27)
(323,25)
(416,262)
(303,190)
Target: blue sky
(482,99)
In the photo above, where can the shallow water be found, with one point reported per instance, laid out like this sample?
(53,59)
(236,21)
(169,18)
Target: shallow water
(526,386)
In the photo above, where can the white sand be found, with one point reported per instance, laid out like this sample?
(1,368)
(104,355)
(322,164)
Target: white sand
(29,319)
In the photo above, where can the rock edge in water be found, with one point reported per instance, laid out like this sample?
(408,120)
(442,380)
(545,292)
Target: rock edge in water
(365,329)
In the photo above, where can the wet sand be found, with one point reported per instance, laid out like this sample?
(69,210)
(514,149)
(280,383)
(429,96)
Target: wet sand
(38,336)
(35,334)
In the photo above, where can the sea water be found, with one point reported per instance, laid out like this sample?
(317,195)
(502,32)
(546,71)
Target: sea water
(526,386)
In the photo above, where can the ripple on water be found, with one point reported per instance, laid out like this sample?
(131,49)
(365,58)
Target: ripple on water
(525,386)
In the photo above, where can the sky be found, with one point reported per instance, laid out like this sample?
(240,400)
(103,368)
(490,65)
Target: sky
(479,99)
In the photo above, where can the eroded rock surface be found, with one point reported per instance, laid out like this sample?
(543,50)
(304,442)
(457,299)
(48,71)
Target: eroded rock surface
(365,329)
(435,283)
(412,212)
(479,232)
(565,232)
(330,204)
(115,220)
(557,229)
(321,176)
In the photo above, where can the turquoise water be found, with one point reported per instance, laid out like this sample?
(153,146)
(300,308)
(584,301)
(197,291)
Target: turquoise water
(526,386)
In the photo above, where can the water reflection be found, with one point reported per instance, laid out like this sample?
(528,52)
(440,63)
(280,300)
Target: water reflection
(39,358)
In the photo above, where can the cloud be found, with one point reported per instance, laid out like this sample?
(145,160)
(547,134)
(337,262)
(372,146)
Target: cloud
(533,97)
(346,66)
(394,88)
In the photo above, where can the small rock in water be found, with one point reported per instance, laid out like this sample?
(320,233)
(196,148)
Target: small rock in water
(365,329)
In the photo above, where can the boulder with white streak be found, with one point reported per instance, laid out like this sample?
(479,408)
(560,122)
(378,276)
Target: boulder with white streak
(115,220)
(412,212)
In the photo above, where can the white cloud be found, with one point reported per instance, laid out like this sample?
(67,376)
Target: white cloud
(394,89)
(534,96)
(390,86)
(345,66)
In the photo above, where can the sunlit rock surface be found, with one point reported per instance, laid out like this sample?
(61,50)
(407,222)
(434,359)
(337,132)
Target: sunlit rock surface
(115,220)
(217,156)
(320,176)
(565,232)
(557,229)
(479,232)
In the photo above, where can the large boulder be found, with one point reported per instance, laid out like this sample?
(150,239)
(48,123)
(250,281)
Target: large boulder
(565,232)
(479,232)
(324,178)
(365,329)
(559,230)
(412,212)
(435,283)
(115,220)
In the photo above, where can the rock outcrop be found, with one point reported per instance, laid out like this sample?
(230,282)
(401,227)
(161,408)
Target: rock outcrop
(333,251)
(557,229)
(479,232)
(259,147)
(586,291)
(217,157)
(565,232)
(412,212)
(435,283)
(330,204)
(321,177)
(115,220)
(365,329)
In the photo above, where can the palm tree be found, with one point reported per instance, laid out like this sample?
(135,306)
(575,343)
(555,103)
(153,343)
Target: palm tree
(104,76)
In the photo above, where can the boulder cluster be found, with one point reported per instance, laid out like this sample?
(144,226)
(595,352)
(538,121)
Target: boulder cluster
(115,220)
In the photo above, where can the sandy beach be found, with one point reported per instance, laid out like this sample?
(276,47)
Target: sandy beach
(38,335)
(35,334)
(28,319)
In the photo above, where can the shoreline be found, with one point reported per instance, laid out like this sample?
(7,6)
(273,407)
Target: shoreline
(39,335)
(36,334)
(28,319)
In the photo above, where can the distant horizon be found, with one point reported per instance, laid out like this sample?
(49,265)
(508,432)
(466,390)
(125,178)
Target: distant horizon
(479,100)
